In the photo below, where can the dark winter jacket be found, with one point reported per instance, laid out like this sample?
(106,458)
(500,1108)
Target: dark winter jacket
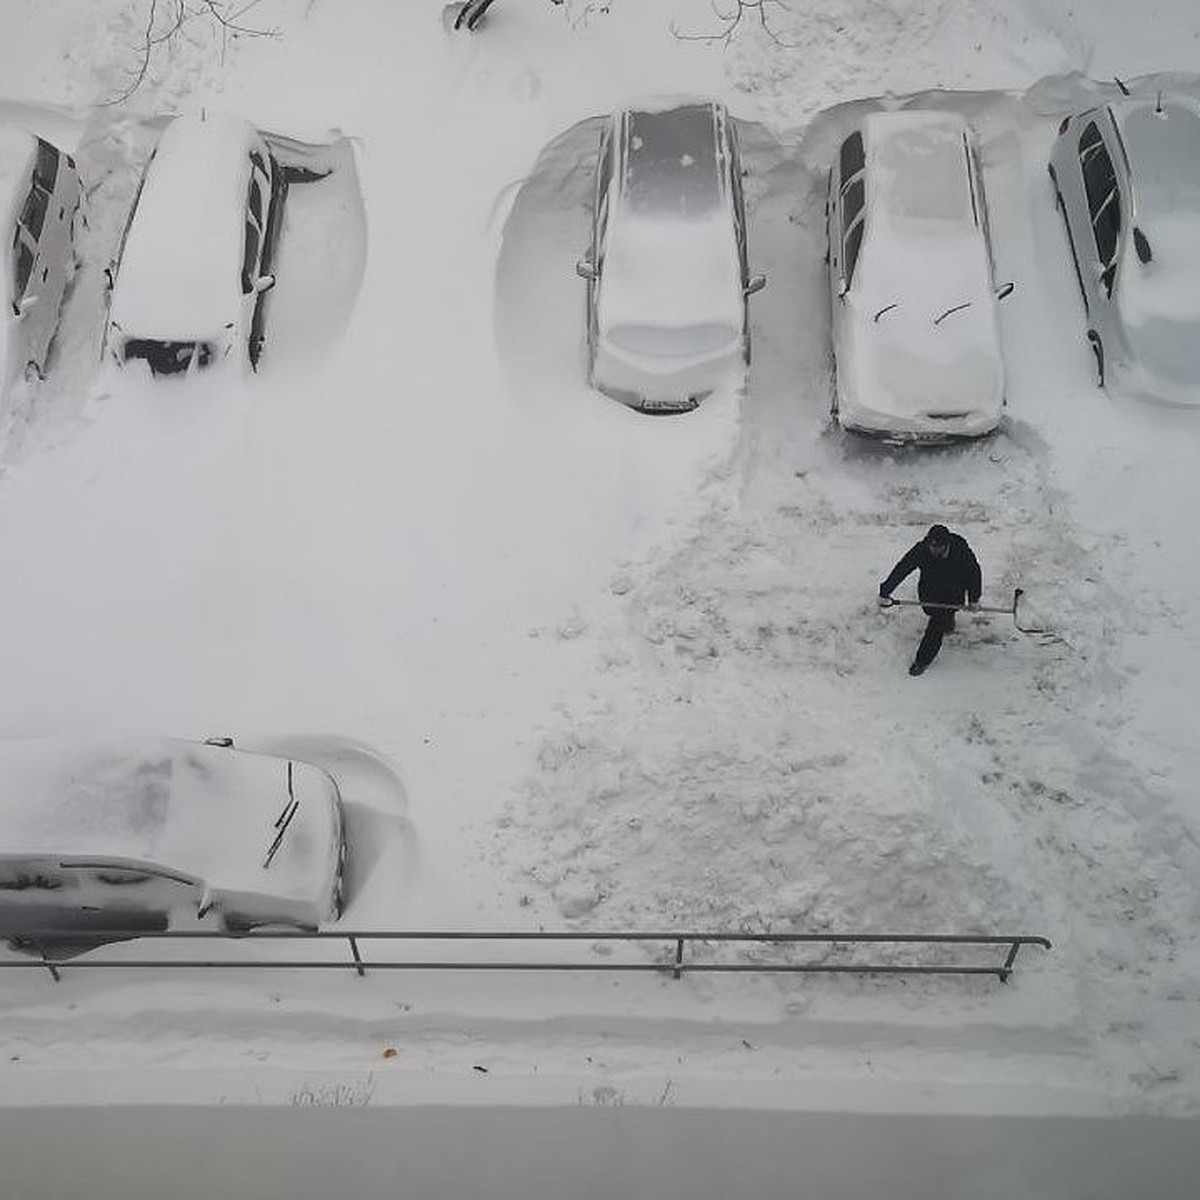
(947,580)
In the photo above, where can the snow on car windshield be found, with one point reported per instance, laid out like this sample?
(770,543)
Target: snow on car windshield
(671,165)
(671,273)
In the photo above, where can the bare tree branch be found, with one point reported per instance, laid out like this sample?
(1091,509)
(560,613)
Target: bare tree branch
(733,19)
(179,14)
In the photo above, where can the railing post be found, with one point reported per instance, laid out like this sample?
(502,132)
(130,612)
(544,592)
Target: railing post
(55,974)
(358,962)
(678,972)
(1006,970)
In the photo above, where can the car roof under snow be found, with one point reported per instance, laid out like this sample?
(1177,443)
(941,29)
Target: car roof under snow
(180,274)
(917,168)
(203,811)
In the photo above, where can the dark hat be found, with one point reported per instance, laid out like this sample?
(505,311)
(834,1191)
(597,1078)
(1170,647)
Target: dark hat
(938,534)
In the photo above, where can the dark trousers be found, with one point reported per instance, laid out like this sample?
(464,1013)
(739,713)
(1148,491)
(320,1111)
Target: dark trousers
(941,622)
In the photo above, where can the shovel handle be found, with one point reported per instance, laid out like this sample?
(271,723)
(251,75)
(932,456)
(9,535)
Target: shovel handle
(1012,612)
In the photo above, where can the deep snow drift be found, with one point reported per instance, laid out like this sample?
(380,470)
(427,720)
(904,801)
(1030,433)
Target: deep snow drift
(583,668)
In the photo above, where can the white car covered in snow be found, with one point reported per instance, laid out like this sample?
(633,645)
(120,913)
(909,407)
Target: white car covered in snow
(1127,181)
(916,335)
(197,258)
(39,197)
(129,837)
(667,275)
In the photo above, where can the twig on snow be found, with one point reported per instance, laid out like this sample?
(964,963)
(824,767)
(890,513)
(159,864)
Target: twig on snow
(732,20)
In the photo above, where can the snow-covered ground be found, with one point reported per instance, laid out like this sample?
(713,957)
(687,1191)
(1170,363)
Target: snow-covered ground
(578,668)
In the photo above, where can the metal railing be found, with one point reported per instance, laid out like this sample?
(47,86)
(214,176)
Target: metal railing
(677,955)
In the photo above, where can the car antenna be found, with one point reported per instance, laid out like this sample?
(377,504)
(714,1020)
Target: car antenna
(1121,85)
(1158,104)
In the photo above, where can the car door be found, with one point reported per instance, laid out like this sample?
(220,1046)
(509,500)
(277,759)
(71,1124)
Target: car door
(34,895)
(600,210)
(43,252)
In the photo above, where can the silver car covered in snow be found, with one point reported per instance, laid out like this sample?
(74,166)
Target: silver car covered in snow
(667,275)
(916,334)
(1127,182)
(39,197)
(132,836)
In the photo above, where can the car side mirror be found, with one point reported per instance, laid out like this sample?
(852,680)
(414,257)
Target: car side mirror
(1141,243)
(1005,290)
(586,269)
(264,283)
(756,283)
(208,901)
(27,304)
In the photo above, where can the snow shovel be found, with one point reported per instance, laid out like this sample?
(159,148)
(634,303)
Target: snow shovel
(986,608)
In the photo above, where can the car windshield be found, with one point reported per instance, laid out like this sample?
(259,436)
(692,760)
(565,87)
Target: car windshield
(672,167)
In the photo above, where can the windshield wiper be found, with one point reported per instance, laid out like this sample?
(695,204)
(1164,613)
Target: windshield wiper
(284,819)
(956,308)
(884,309)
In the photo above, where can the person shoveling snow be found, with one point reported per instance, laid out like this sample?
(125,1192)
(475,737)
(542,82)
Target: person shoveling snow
(949,576)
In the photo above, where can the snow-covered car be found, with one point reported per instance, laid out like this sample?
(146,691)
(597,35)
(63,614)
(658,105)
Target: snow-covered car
(1127,182)
(128,837)
(916,335)
(197,256)
(39,198)
(667,275)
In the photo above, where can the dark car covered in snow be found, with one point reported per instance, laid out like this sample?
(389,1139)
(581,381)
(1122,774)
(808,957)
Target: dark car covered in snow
(667,275)
(196,261)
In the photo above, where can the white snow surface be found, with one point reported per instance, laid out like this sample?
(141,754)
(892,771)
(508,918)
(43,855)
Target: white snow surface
(578,668)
